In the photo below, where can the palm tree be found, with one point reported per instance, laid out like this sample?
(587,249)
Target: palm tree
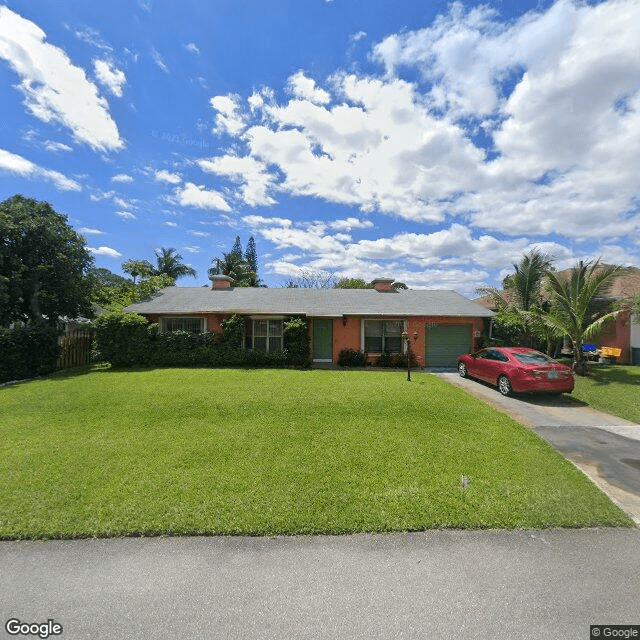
(571,300)
(169,264)
(522,293)
(235,266)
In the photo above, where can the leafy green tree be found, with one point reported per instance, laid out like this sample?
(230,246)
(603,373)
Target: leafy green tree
(351,283)
(135,268)
(43,264)
(572,301)
(113,292)
(359,283)
(170,264)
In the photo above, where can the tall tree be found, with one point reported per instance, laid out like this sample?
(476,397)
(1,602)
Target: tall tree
(520,295)
(572,300)
(251,255)
(237,247)
(233,265)
(170,264)
(135,268)
(43,264)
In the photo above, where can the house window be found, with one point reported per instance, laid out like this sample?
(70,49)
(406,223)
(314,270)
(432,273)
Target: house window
(192,325)
(383,336)
(267,335)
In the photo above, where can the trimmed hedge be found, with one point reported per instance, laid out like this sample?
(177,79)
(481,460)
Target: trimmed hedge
(28,352)
(126,339)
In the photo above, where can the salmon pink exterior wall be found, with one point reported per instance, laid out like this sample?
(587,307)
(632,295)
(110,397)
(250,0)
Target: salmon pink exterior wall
(347,332)
(618,335)
(349,336)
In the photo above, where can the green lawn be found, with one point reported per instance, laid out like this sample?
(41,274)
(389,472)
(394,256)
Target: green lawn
(189,451)
(611,388)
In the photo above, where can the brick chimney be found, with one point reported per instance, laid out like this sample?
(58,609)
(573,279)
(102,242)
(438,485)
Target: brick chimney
(382,284)
(221,282)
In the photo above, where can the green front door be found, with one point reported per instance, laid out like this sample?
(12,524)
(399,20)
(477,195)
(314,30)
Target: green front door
(322,340)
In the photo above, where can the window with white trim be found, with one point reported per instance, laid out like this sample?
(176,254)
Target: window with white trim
(192,325)
(383,336)
(266,335)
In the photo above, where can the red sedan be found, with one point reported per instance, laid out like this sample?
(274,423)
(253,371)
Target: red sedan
(517,369)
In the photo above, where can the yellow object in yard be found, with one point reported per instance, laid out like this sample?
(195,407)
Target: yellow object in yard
(610,351)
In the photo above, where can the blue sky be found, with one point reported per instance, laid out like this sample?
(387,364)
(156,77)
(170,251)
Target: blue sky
(432,142)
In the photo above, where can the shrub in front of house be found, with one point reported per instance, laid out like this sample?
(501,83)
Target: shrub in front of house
(123,339)
(352,358)
(28,352)
(127,339)
(396,360)
(295,334)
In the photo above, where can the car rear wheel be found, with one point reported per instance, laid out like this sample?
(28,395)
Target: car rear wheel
(504,386)
(462,369)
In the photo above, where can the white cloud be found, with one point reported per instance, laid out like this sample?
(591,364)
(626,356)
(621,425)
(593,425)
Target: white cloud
(356,37)
(17,165)
(192,248)
(105,251)
(88,231)
(51,145)
(122,177)
(157,58)
(170,224)
(192,195)
(257,221)
(166,176)
(54,89)
(109,76)
(229,118)
(305,89)
(350,223)
(256,180)
(192,47)
(199,234)
(125,215)
(92,36)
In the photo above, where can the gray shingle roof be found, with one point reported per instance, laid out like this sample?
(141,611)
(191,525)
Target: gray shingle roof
(310,302)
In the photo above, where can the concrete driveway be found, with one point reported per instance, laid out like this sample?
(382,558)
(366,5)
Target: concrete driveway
(605,447)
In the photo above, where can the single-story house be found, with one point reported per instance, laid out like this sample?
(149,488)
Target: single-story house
(441,325)
(624,332)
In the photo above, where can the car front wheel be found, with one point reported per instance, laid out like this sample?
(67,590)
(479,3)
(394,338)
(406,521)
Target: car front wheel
(462,369)
(504,386)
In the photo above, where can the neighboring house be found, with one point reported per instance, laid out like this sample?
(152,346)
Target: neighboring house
(624,332)
(441,325)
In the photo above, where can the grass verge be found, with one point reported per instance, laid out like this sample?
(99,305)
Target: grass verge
(611,388)
(265,452)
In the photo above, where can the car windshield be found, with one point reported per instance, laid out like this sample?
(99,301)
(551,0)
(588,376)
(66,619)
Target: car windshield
(532,357)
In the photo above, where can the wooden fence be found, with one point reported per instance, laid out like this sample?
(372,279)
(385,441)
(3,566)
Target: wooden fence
(75,348)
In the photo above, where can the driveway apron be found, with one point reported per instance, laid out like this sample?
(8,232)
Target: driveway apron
(606,448)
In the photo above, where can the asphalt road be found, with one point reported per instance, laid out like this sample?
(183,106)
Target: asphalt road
(433,585)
